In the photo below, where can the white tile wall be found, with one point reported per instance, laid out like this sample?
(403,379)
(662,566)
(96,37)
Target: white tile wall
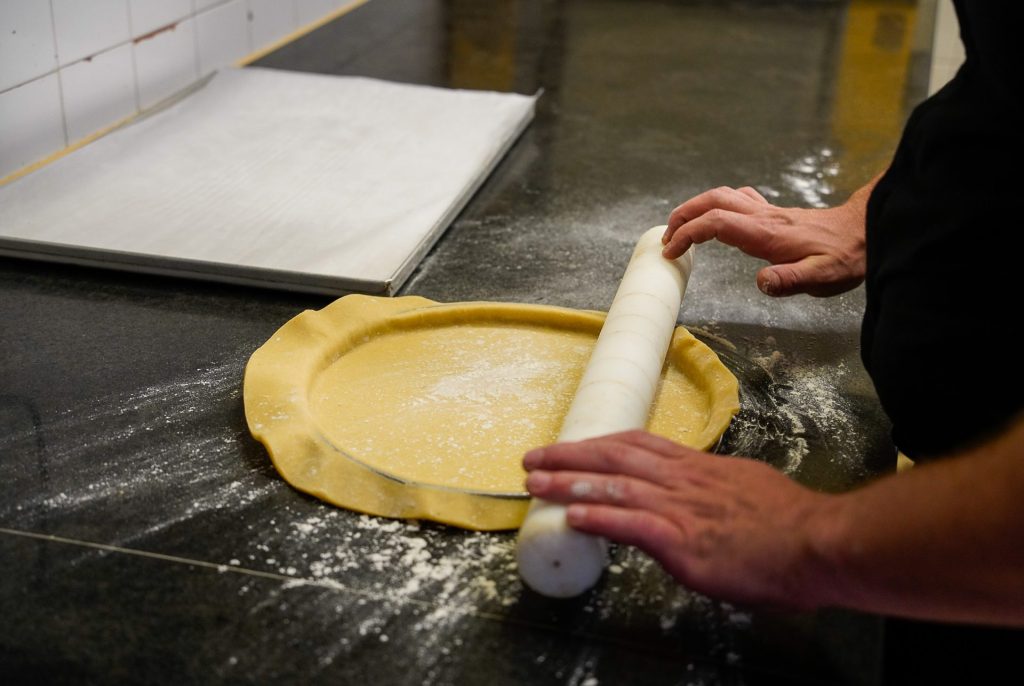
(222,35)
(27,49)
(150,15)
(200,5)
(270,20)
(166,63)
(32,123)
(69,68)
(311,10)
(86,28)
(98,92)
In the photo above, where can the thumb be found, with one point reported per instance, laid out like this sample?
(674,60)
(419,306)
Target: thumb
(789,279)
(817,275)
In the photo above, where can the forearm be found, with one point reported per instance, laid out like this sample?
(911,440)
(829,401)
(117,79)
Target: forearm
(857,204)
(860,196)
(944,541)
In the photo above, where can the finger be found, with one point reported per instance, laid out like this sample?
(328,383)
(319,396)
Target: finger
(676,244)
(696,206)
(721,198)
(770,280)
(815,275)
(751,192)
(732,228)
(601,456)
(667,236)
(652,442)
(652,533)
(587,487)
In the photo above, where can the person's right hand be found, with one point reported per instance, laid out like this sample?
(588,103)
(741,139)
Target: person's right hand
(730,527)
(819,252)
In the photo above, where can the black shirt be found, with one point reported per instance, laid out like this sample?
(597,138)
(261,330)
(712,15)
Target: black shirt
(945,250)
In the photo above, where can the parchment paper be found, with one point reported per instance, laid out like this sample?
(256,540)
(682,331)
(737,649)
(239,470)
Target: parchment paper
(302,181)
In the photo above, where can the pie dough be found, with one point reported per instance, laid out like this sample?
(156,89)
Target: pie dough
(403,407)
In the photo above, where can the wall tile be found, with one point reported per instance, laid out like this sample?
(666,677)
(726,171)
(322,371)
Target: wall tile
(150,15)
(86,28)
(104,76)
(98,92)
(222,36)
(270,20)
(310,10)
(200,5)
(166,63)
(27,50)
(30,117)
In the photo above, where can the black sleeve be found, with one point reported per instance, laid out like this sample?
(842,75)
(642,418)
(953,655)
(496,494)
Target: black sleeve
(945,262)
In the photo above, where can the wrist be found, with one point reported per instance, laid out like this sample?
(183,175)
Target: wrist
(856,206)
(828,547)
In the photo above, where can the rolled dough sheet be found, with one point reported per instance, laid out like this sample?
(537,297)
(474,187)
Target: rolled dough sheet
(409,408)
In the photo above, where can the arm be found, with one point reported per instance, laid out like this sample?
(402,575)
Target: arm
(815,251)
(944,542)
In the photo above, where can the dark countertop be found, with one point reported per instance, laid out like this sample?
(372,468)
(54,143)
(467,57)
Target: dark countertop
(145,536)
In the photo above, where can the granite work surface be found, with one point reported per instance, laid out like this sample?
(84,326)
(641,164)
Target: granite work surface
(144,535)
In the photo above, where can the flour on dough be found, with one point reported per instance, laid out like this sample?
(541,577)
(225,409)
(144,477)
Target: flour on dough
(405,408)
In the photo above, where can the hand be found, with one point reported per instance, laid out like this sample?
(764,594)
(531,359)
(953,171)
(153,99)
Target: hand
(820,252)
(732,528)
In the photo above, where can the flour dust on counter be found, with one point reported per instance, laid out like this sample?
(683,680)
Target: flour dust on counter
(429,587)
(206,495)
(543,260)
(810,178)
(121,463)
(575,256)
(806,416)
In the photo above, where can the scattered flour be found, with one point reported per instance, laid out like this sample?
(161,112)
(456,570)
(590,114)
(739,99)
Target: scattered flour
(809,178)
(194,468)
(370,572)
(793,403)
(433,580)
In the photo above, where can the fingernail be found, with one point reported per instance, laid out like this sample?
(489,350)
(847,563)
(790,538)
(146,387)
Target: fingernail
(770,285)
(575,514)
(532,458)
(537,481)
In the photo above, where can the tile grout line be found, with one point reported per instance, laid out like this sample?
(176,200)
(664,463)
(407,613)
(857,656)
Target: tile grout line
(222,568)
(60,82)
(135,65)
(157,556)
(252,56)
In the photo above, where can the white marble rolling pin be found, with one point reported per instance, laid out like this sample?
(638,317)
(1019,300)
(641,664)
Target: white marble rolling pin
(615,394)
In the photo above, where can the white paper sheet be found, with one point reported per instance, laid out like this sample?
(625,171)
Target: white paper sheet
(302,181)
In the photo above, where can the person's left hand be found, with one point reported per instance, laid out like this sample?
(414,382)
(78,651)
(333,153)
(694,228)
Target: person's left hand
(820,252)
(729,527)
